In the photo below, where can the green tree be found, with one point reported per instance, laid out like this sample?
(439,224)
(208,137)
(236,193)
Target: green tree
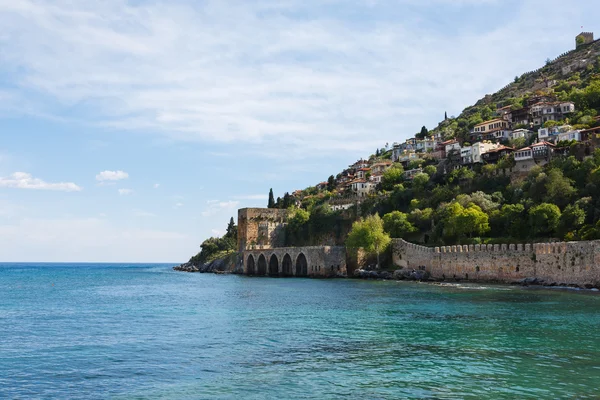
(331,183)
(481,199)
(287,201)
(559,190)
(231,231)
(461,175)
(392,176)
(414,164)
(369,235)
(571,220)
(397,224)
(517,143)
(430,170)
(421,218)
(512,217)
(469,221)
(420,182)
(271,203)
(544,219)
(424,132)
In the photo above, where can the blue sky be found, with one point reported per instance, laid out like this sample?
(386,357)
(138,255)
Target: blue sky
(132,130)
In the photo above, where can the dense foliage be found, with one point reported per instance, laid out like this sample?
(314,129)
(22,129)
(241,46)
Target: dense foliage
(368,234)
(560,200)
(217,247)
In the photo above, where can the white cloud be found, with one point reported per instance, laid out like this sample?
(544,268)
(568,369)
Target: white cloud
(178,205)
(255,73)
(24,180)
(125,192)
(156,185)
(216,206)
(111,176)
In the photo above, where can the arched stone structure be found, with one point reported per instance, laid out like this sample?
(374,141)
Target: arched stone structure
(312,261)
(301,265)
(287,266)
(262,265)
(251,265)
(273,266)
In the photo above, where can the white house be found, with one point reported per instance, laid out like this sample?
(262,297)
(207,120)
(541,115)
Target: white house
(420,146)
(479,148)
(408,156)
(362,188)
(523,154)
(521,133)
(362,173)
(380,167)
(452,145)
(570,135)
(430,145)
(342,204)
(466,155)
(376,178)
(499,134)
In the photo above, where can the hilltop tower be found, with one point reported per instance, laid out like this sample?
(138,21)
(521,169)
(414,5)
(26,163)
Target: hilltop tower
(584,38)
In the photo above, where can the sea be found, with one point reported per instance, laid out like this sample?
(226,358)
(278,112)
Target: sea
(141,331)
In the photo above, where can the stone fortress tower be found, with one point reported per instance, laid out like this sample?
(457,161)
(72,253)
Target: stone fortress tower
(584,38)
(261,228)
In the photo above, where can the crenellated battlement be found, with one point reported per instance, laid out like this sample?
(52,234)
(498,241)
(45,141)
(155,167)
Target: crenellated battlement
(561,262)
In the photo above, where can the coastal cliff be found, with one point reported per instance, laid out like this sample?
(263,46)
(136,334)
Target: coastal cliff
(230,264)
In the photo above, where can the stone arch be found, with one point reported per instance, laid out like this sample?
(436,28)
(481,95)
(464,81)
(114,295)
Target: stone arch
(250,265)
(262,265)
(286,266)
(273,265)
(301,265)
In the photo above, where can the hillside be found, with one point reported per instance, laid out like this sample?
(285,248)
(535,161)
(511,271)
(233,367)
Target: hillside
(519,165)
(564,77)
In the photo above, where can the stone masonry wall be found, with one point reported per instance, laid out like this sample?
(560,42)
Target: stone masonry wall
(261,228)
(563,263)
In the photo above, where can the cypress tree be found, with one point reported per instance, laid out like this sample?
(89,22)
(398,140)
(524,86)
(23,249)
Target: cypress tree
(287,200)
(231,229)
(271,203)
(331,183)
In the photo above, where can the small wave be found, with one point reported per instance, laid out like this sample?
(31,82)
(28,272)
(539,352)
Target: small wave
(472,286)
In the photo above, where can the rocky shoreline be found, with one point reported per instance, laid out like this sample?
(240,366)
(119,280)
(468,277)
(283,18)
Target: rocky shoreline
(225,266)
(218,266)
(424,276)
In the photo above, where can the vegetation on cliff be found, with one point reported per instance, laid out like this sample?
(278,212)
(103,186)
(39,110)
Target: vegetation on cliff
(217,247)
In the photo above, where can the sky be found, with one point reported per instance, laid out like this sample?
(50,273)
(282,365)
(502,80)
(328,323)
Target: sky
(130,131)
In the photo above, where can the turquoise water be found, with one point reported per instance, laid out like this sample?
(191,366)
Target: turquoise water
(144,331)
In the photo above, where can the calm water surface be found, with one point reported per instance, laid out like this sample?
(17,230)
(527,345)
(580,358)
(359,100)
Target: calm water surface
(144,331)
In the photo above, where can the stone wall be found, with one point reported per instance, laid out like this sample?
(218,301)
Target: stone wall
(561,263)
(261,228)
(317,261)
